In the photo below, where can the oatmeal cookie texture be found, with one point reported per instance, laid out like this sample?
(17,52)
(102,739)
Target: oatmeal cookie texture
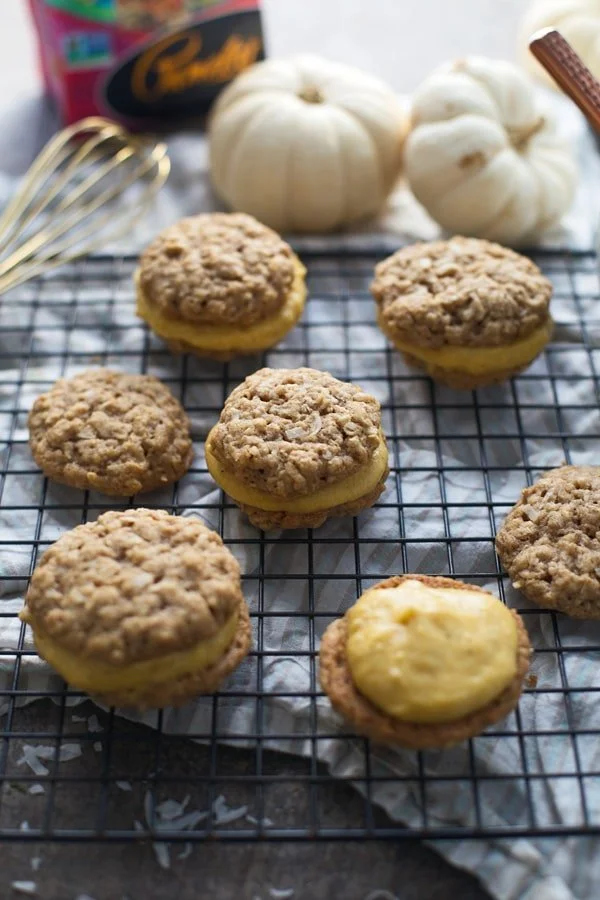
(109,431)
(139,607)
(469,311)
(288,439)
(217,268)
(465,292)
(291,431)
(220,285)
(372,721)
(550,541)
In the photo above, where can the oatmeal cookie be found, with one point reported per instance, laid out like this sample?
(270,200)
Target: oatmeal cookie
(550,541)
(220,285)
(468,311)
(369,720)
(112,432)
(294,446)
(139,608)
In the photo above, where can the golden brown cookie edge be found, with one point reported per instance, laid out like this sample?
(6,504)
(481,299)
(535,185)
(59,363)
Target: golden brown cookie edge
(109,485)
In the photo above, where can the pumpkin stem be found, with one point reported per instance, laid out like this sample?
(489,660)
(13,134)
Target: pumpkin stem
(311,94)
(520,137)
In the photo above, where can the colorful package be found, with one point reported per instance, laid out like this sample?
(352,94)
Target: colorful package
(145,62)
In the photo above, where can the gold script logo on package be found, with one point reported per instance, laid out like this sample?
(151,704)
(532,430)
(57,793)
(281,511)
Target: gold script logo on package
(179,74)
(163,70)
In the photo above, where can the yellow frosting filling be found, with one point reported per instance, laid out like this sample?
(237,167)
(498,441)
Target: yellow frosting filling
(228,338)
(362,482)
(97,677)
(425,654)
(479,360)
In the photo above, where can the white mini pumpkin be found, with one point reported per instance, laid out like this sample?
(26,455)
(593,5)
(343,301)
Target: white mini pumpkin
(577,20)
(483,157)
(304,144)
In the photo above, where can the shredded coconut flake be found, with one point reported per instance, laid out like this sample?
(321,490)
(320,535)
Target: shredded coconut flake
(43,752)
(171,809)
(124,785)
(312,427)
(36,789)
(36,862)
(219,803)
(97,745)
(31,759)
(182,823)
(138,825)
(185,852)
(266,822)
(75,718)
(24,887)
(24,826)
(163,857)
(225,816)
(93,724)
(281,893)
(32,756)
(170,814)
(68,752)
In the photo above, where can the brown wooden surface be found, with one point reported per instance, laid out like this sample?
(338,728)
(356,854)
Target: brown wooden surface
(213,871)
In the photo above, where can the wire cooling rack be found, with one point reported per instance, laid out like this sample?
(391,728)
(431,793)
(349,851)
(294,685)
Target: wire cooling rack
(119,771)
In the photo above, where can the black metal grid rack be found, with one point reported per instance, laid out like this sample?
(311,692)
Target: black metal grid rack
(458,460)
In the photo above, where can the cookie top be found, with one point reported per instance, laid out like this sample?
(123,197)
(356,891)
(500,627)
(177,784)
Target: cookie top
(462,292)
(219,269)
(110,431)
(550,541)
(290,432)
(133,586)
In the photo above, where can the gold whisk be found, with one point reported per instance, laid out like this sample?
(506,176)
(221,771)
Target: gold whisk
(70,201)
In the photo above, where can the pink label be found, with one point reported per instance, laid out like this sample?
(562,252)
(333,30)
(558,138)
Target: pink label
(143,60)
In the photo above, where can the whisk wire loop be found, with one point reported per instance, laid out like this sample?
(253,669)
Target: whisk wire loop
(71,201)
